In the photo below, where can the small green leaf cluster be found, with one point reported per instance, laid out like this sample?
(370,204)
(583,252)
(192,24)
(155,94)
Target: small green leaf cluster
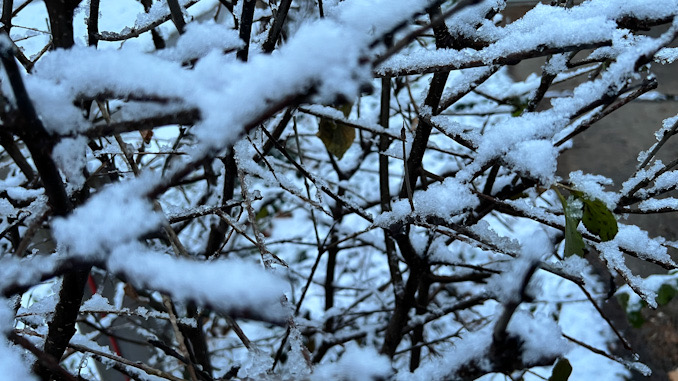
(595,215)
(634,311)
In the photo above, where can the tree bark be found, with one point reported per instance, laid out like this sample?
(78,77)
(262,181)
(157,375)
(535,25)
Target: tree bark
(60,14)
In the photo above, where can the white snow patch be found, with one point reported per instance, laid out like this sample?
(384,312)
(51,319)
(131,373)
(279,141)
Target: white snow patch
(355,364)
(225,285)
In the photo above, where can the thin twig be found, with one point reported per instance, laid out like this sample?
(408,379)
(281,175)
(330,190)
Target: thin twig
(136,32)
(402,43)
(45,359)
(99,355)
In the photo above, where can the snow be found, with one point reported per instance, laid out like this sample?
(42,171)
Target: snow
(10,356)
(144,74)
(485,230)
(472,346)
(199,39)
(97,303)
(228,286)
(12,365)
(506,287)
(356,364)
(666,180)
(116,215)
(70,156)
(536,159)
(158,10)
(590,22)
(577,267)
(614,259)
(298,366)
(653,282)
(557,64)
(25,271)
(444,200)
(256,365)
(636,240)
(667,125)
(641,175)
(657,205)
(541,336)
(593,187)
(666,56)
(23,194)
(335,47)
(6,208)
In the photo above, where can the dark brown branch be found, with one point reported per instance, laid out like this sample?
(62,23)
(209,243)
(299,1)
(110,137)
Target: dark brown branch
(509,209)
(61,21)
(435,92)
(62,325)
(468,277)
(418,332)
(275,134)
(384,186)
(6,18)
(245,32)
(21,7)
(403,304)
(276,28)
(10,146)
(450,99)
(645,87)
(93,23)
(158,40)
(186,118)
(634,23)
(31,130)
(100,356)
(173,219)
(177,15)
(217,234)
(458,306)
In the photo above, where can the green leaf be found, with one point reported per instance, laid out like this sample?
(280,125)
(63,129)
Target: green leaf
(561,371)
(519,105)
(574,243)
(635,318)
(599,220)
(634,312)
(623,299)
(519,109)
(262,213)
(337,136)
(463,106)
(665,293)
